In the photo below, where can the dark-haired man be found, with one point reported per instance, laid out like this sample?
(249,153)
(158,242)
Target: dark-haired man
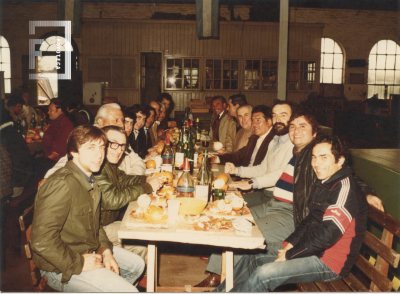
(253,153)
(222,128)
(69,245)
(167,100)
(234,102)
(326,244)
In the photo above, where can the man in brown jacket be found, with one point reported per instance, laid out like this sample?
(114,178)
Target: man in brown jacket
(254,152)
(69,245)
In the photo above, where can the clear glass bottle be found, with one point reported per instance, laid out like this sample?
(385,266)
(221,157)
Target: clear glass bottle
(185,185)
(24,127)
(202,189)
(33,121)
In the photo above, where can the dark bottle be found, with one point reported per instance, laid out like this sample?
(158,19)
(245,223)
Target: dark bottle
(198,131)
(33,121)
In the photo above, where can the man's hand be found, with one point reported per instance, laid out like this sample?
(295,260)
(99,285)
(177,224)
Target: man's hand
(152,149)
(45,127)
(151,154)
(281,255)
(172,124)
(213,159)
(375,202)
(154,182)
(160,132)
(53,155)
(41,183)
(230,168)
(110,262)
(221,151)
(92,262)
(243,185)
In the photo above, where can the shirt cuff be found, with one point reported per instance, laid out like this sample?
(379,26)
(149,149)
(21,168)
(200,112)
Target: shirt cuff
(239,171)
(217,160)
(255,183)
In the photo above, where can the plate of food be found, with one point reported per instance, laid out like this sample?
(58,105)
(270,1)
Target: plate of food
(233,206)
(206,224)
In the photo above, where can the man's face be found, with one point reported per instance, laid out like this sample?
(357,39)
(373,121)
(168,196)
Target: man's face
(90,156)
(300,132)
(114,155)
(218,106)
(128,126)
(244,117)
(231,108)
(163,114)
(156,107)
(140,120)
(150,119)
(26,98)
(54,112)
(259,124)
(280,117)
(166,102)
(114,117)
(17,108)
(323,161)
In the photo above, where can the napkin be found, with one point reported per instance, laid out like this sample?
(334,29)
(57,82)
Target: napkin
(242,226)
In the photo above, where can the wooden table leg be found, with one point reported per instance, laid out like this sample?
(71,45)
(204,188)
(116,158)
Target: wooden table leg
(229,271)
(223,267)
(151,267)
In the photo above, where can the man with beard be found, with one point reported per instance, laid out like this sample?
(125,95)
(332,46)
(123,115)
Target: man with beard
(268,172)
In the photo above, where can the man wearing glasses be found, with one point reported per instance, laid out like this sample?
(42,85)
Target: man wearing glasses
(118,188)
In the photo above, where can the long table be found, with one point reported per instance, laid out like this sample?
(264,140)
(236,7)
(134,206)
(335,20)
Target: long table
(171,234)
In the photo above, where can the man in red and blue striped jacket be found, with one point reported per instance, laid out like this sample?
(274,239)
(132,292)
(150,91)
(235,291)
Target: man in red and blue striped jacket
(326,244)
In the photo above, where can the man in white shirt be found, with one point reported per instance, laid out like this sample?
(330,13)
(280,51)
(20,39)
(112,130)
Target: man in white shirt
(109,114)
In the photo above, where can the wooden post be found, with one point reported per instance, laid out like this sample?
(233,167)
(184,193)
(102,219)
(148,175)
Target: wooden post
(283,48)
(151,268)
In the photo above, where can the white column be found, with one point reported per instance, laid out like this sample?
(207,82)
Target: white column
(283,48)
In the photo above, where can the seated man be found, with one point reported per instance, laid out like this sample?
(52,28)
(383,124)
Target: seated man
(259,122)
(118,189)
(326,244)
(166,99)
(234,103)
(27,111)
(161,128)
(110,114)
(222,128)
(156,106)
(69,245)
(146,135)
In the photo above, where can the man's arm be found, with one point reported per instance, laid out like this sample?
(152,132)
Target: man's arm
(132,164)
(230,135)
(52,206)
(60,163)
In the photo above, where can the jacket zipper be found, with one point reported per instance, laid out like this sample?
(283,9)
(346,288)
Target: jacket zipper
(299,252)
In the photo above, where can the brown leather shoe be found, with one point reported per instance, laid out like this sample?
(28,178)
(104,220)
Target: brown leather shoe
(213,280)
(203,257)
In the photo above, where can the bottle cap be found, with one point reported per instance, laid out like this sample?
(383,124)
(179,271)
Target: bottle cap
(168,141)
(186,165)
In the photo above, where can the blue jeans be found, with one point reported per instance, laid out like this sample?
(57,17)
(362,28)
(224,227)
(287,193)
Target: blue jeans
(259,273)
(258,197)
(275,221)
(131,267)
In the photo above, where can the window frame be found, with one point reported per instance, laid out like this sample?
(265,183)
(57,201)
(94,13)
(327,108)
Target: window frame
(322,69)
(199,80)
(8,80)
(222,74)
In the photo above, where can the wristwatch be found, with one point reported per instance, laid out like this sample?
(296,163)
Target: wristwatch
(250,182)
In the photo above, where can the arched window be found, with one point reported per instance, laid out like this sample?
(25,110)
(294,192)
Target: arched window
(5,63)
(51,62)
(331,62)
(384,69)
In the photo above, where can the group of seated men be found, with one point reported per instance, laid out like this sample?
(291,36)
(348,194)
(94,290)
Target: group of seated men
(306,201)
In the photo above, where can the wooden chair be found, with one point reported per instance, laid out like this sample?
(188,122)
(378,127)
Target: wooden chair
(378,274)
(39,284)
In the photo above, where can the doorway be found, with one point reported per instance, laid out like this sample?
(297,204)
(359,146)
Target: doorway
(150,76)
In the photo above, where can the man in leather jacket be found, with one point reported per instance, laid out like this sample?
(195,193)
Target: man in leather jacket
(118,188)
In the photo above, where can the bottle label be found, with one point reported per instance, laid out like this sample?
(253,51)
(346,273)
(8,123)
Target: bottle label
(167,156)
(179,159)
(201,192)
(185,189)
(198,136)
(196,155)
(184,139)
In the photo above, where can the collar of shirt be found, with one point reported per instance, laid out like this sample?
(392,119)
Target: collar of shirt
(145,128)
(280,141)
(262,137)
(221,114)
(136,132)
(157,122)
(25,108)
(90,180)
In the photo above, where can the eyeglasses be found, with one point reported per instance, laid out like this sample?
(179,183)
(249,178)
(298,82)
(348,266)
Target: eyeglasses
(115,145)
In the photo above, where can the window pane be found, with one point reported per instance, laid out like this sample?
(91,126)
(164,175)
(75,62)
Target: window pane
(337,76)
(390,61)
(372,61)
(382,47)
(397,77)
(329,44)
(170,63)
(235,64)
(373,50)
(227,64)
(389,78)
(7,85)
(398,61)
(328,60)
(338,61)
(217,63)
(391,47)
(327,77)
(371,77)
(195,63)
(381,62)
(3,42)
(188,63)
(337,48)
(380,76)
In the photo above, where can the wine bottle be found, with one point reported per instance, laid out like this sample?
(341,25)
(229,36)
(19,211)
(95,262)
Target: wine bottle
(167,153)
(179,156)
(32,122)
(202,189)
(185,185)
(198,131)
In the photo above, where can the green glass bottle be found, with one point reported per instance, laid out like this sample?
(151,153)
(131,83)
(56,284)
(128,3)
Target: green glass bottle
(179,156)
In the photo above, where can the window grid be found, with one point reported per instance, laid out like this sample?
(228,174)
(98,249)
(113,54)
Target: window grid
(307,75)
(5,63)
(331,62)
(384,69)
(222,74)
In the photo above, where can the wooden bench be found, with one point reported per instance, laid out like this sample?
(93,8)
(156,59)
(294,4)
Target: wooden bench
(378,274)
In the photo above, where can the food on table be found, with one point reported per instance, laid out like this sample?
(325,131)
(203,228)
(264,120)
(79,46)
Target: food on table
(155,213)
(168,134)
(218,146)
(223,177)
(160,149)
(160,143)
(165,177)
(200,158)
(208,223)
(28,140)
(151,164)
(191,206)
(220,184)
(169,192)
(144,200)
(36,137)
(237,203)
(229,207)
